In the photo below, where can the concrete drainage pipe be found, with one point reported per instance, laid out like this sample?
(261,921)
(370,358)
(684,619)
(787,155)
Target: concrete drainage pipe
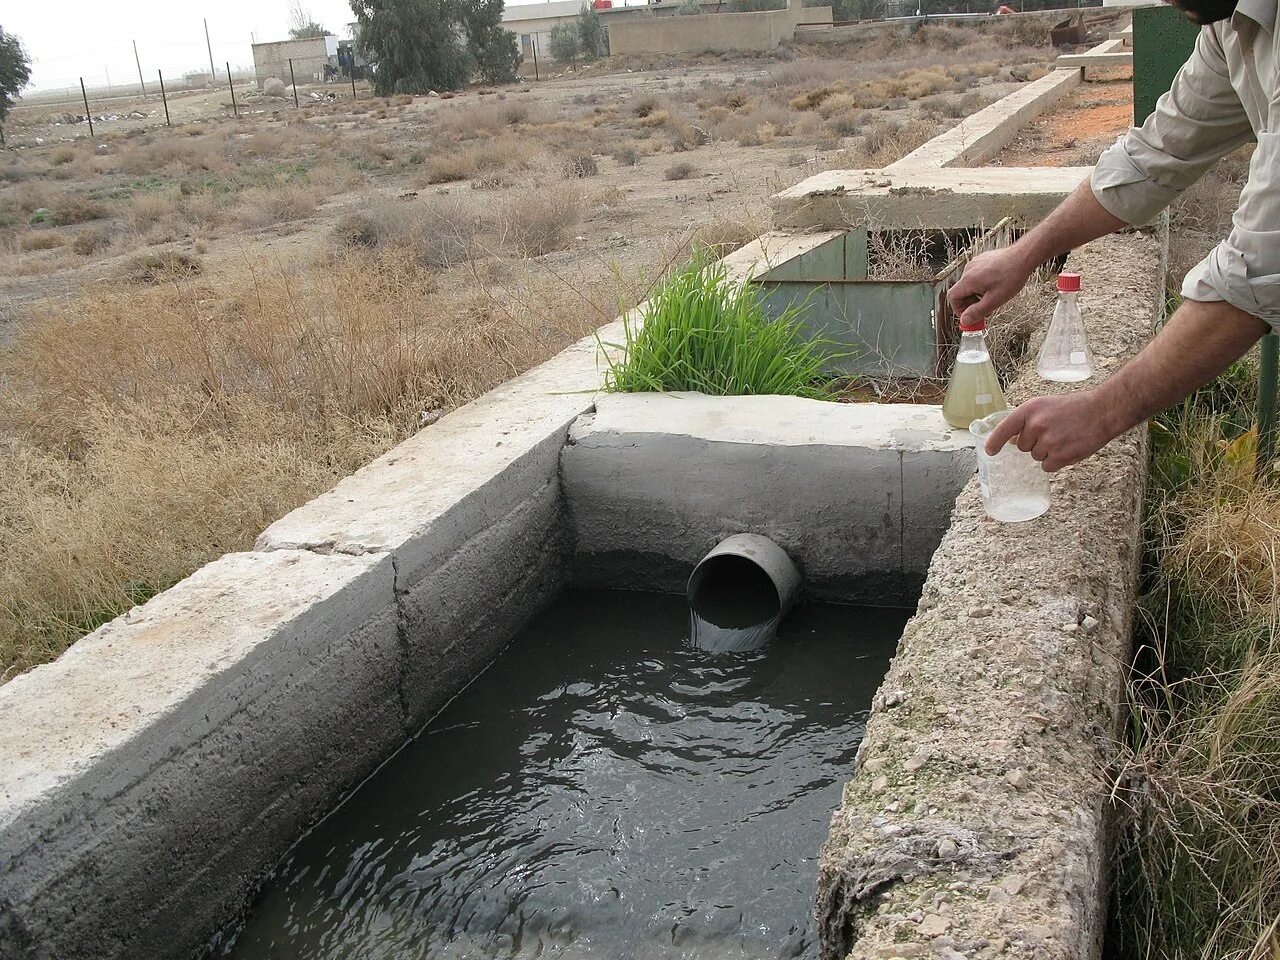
(739,593)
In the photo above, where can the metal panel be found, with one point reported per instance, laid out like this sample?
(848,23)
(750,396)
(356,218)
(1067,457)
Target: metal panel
(1162,41)
(885,327)
(897,328)
(823,262)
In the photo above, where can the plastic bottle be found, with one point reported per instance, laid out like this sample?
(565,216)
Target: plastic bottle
(974,391)
(1064,356)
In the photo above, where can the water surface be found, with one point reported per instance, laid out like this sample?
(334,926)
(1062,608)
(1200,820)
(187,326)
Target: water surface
(602,790)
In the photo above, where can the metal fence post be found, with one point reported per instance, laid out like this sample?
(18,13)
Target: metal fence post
(164,97)
(88,116)
(234,110)
(293,80)
(1268,354)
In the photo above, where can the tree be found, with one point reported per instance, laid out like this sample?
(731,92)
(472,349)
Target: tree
(492,48)
(15,73)
(565,41)
(414,45)
(592,38)
(301,25)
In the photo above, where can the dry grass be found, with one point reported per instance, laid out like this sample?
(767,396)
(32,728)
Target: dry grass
(1198,778)
(151,431)
(680,171)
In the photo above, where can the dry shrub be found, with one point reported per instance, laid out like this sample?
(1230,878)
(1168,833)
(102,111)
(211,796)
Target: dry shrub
(464,163)
(161,266)
(265,206)
(581,165)
(679,171)
(655,119)
(438,232)
(62,155)
(153,430)
(727,234)
(626,155)
(91,241)
(537,220)
(143,211)
(811,98)
(75,208)
(645,105)
(41,240)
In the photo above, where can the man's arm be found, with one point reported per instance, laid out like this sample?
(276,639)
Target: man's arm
(1198,121)
(992,279)
(1199,342)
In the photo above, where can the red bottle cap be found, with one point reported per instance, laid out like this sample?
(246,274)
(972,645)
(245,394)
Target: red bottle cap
(974,325)
(1069,282)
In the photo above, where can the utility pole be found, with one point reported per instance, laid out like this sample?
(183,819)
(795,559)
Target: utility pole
(160,74)
(234,109)
(142,83)
(213,74)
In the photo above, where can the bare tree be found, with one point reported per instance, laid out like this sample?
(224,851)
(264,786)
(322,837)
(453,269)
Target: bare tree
(301,23)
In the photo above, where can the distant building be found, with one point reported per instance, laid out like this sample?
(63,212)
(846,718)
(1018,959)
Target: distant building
(310,56)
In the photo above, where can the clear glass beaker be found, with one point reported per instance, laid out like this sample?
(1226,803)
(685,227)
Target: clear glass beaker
(1014,485)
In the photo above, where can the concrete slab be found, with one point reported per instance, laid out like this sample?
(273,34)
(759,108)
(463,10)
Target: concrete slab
(153,772)
(924,197)
(1109,53)
(858,494)
(984,134)
(977,822)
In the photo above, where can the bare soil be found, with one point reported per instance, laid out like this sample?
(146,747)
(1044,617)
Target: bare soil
(1078,129)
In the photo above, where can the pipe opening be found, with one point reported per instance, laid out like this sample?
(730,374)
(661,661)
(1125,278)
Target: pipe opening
(739,593)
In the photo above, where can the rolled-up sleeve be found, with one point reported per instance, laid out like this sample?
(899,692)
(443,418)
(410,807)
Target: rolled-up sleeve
(1199,120)
(1244,270)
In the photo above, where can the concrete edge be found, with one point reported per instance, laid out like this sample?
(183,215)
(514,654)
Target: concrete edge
(980,136)
(942,198)
(857,494)
(977,823)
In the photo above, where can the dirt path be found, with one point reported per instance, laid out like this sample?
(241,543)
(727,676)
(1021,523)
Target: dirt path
(1078,129)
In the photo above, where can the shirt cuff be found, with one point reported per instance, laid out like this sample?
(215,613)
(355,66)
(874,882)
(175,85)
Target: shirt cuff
(1224,276)
(1124,190)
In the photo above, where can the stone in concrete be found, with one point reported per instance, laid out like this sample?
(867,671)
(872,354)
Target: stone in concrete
(1016,713)
(981,136)
(951,198)
(154,771)
(857,494)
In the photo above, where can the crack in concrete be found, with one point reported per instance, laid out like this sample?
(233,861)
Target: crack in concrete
(402,640)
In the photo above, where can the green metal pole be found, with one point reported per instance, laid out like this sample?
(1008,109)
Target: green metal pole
(1269,353)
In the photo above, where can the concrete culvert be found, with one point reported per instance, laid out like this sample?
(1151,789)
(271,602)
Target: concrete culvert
(739,593)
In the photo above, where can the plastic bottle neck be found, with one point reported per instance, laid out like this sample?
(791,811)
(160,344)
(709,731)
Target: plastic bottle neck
(1068,296)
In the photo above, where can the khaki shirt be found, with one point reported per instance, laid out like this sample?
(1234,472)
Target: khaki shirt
(1225,95)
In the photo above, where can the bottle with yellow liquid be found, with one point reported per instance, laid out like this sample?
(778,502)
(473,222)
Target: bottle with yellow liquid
(974,391)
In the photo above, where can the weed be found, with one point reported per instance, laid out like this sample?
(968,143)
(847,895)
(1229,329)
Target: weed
(701,331)
(680,171)
(165,266)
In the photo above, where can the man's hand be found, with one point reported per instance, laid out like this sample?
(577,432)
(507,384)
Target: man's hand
(1057,431)
(990,280)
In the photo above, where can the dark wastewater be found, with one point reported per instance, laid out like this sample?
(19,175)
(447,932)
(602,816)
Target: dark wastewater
(602,790)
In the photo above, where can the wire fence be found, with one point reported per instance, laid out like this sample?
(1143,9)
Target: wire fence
(83,110)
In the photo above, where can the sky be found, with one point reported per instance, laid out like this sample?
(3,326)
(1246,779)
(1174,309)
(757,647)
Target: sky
(67,39)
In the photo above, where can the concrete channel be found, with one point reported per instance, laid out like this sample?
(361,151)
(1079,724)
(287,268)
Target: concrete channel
(155,772)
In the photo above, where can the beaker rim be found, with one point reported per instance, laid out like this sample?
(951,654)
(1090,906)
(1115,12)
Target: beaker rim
(982,428)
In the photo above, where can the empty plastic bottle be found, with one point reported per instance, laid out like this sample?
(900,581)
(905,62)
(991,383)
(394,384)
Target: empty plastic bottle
(1064,356)
(974,391)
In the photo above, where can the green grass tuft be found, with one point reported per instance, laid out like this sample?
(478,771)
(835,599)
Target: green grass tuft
(702,331)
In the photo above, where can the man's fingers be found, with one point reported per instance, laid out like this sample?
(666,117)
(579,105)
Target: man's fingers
(1005,430)
(977,310)
(962,294)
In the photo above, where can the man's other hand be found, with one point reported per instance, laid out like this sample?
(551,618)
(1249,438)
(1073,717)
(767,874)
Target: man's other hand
(1057,431)
(990,280)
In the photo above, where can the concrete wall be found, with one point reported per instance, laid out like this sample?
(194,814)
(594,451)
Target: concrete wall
(977,824)
(272,60)
(718,32)
(858,494)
